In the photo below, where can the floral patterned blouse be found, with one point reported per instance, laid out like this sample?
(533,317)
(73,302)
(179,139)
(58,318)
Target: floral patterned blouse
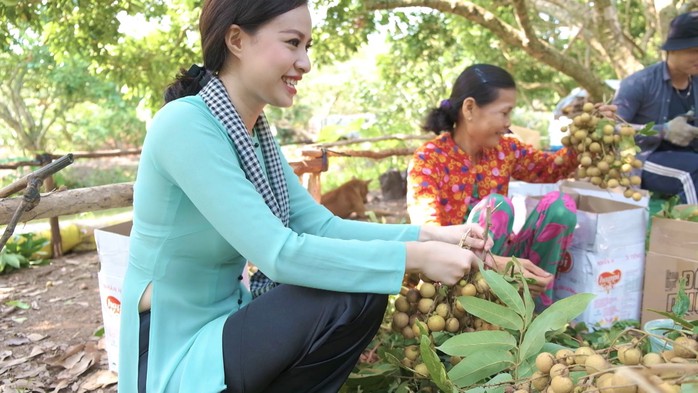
(443,183)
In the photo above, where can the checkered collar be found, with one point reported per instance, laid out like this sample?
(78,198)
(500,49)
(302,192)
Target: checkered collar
(274,189)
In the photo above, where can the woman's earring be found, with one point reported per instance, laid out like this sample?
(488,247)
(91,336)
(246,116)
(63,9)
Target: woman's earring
(470,118)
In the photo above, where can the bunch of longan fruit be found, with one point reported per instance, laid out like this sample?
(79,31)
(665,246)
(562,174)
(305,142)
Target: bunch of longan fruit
(435,307)
(552,373)
(606,150)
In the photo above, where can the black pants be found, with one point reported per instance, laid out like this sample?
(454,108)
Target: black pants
(672,172)
(294,339)
(143,341)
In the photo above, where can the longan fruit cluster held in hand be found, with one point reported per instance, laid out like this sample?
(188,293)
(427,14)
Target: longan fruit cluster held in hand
(606,157)
(435,307)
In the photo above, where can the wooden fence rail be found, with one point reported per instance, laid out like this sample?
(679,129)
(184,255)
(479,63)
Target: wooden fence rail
(314,161)
(42,158)
(67,202)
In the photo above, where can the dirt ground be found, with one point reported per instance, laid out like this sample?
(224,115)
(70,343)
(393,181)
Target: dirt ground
(49,316)
(51,346)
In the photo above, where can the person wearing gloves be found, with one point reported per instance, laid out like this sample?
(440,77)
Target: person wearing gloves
(666,94)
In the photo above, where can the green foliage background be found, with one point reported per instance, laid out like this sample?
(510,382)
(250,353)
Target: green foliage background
(74,75)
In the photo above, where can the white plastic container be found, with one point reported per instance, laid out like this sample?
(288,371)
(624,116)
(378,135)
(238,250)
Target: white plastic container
(658,327)
(112,248)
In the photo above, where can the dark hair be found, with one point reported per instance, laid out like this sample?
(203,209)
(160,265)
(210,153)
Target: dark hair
(216,18)
(482,82)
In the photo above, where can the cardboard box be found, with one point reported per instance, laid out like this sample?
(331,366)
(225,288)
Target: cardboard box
(604,224)
(112,248)
(672,256)
(607,259)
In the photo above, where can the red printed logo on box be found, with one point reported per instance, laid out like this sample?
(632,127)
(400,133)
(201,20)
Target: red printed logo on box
(114,304)
(607,280)
(565,264)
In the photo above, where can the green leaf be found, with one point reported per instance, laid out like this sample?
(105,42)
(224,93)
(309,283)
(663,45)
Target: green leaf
(440,337)
(466,344)
(392,359)
(553,318)
(498,383)
(477,367)
(599,127)
(376,377)
(685,213)
(99,332)
(526,368)
(492,312)
(12,260)
(565,339)
(504,291)
(403,388)
(577,375)
(39,262)
(18,304)
(682,304)
(648,130)
(673,317)
(437,372)
(529,304)
(552,347)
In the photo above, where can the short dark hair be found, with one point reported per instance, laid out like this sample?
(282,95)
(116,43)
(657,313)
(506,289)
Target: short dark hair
(481,82)
(216,17)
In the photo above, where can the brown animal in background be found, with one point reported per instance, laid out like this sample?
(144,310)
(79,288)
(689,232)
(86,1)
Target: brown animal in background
(348,198)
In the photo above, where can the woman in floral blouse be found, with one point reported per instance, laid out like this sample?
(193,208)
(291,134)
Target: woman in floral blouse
(468,166)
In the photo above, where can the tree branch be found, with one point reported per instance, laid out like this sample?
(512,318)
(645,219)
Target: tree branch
(615,43)
(537,49)
(26,120)
(524,20)
(6,116)
(559,89)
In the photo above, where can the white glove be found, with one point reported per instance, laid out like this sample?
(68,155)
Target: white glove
(679,132)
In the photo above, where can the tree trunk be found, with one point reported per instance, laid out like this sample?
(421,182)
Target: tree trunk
(68,202)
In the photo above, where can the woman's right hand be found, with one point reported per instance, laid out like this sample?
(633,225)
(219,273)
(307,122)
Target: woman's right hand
(443,262)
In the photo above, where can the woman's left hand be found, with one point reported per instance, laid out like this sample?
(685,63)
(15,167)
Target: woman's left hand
(471,235)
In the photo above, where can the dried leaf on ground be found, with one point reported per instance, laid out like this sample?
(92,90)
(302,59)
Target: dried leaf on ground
(4,366)
(78,362)
(98,380)
(34,337)
(16,341)
(32,372)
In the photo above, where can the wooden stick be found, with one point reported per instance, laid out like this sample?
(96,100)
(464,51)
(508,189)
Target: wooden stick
(62,203)
(41,173)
